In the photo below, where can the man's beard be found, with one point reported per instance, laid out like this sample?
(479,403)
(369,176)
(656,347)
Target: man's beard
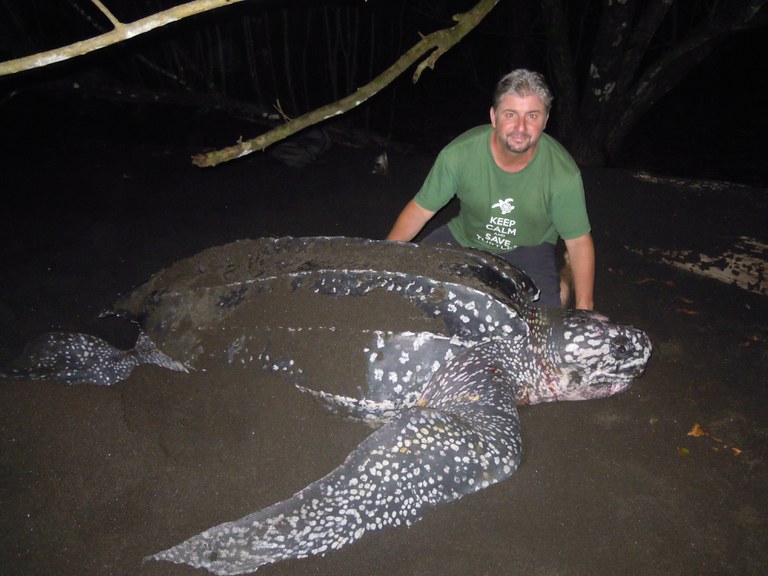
(522,146)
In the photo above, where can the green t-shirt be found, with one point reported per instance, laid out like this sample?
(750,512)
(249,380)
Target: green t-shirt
(499,210)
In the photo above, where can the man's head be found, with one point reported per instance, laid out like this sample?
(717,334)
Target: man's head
(520,110)
(522,82)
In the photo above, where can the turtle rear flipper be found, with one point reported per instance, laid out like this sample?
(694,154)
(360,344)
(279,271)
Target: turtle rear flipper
(72,358)
(75,358)
(147,352)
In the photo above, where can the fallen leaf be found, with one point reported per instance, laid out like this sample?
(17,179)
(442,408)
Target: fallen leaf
(688,311)
(683,451)
(749,341)
(697,431)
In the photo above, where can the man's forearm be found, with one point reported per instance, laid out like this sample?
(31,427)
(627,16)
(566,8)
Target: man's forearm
(581,252)
(410,222)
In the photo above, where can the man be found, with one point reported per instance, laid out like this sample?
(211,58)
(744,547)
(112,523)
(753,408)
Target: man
(519,191)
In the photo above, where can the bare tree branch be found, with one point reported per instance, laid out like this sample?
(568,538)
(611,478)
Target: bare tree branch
(120,33)
(438,42)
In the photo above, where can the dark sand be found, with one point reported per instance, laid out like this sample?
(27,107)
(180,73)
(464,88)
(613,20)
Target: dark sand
(93,479)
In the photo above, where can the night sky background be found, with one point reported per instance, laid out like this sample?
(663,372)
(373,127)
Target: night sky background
(186,80)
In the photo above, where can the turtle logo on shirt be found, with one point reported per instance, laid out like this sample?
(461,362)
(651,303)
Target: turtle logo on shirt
(505,205)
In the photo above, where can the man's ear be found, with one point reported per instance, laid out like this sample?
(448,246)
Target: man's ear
(493,117)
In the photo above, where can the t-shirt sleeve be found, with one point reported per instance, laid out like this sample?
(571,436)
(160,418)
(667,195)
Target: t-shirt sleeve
(439,186)
(569,208)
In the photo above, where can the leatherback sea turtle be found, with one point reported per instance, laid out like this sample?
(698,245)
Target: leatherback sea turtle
(442,393)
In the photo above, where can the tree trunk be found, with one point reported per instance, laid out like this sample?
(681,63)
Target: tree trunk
(620,85)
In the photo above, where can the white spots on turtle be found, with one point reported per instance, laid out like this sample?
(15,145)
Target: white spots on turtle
(421,339)
(74,358)
(237,346)
(283,366)
(597,351)
(392,377)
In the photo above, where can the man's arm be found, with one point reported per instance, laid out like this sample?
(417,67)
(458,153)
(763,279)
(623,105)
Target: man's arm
(410,222)
(581,252)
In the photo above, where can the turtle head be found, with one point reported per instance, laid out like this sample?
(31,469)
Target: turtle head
(592,357)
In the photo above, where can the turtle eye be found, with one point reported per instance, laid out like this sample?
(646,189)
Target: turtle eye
(620,347)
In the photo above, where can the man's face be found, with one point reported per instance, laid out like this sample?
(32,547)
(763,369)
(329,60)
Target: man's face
(518,122)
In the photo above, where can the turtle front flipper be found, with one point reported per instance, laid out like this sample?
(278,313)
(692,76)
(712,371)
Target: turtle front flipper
(399,367)
(369,412)
(421,457)
(401,364)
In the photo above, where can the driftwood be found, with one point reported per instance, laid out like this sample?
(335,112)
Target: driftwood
(744,265)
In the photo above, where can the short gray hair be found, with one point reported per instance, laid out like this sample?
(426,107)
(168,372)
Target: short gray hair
(522,82)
